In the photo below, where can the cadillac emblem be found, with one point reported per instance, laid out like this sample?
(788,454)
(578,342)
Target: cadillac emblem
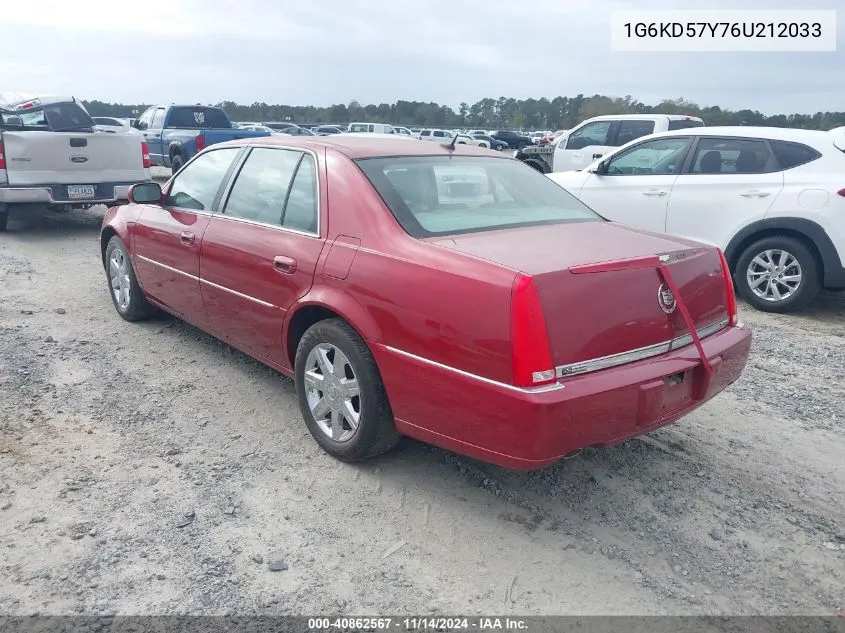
(666,300)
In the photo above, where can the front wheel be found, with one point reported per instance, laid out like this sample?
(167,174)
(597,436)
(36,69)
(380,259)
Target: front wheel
(777,274)
(125,292)
(176,163)
(340,393)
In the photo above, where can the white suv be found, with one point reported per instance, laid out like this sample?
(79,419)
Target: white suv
(771,198)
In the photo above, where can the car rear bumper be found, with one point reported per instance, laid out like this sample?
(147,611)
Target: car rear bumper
(58,194)
(526,429)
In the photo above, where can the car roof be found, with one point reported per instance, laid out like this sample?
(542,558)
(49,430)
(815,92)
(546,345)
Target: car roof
(641,117)
(13,99)
(356,146)
(776,133)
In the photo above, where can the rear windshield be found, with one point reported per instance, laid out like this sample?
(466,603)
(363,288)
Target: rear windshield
(683,124)
(447,195)
(191,118)
(56,117)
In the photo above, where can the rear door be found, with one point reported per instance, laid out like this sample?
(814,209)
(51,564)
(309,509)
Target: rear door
(259,255)
(166,239)
(584,145)
(636,188)
(727,184)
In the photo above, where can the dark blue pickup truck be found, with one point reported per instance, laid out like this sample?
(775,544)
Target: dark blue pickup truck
(175,133)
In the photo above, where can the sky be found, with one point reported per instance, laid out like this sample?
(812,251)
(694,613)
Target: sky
(322,52)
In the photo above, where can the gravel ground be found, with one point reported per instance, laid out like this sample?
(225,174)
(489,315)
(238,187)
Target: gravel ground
(150,469)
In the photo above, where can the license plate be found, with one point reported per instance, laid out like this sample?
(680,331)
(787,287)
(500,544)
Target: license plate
(81,192)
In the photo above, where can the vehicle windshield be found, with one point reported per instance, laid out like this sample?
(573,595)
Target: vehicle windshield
(446,195)
(198,118)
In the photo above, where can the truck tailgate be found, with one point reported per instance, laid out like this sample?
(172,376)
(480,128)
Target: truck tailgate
(43,157)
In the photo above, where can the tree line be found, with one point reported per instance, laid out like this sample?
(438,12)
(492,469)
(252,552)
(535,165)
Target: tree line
(504,112)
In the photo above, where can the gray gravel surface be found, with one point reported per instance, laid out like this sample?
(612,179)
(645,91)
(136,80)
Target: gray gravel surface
(148,468)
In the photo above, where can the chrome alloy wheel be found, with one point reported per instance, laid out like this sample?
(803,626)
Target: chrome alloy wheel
(119,276)
(331,388)
(774,275)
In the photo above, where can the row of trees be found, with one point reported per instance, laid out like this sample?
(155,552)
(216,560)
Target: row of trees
(543,113)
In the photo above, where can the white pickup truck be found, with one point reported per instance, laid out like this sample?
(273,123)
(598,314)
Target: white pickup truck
(579,147)
(51,153)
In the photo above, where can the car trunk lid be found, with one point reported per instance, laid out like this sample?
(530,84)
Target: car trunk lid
(606,290)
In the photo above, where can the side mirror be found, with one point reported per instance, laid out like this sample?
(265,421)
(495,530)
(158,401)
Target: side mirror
(141,125)
(145,193)
(599,169)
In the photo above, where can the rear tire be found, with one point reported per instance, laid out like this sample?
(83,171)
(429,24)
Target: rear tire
(776,262)
(125,292)
(176,163)
(333,344)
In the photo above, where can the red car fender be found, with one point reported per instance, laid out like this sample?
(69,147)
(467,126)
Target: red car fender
(337,301)
(116,221)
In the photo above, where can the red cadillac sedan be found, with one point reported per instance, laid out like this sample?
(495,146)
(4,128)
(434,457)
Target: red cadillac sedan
(449,294)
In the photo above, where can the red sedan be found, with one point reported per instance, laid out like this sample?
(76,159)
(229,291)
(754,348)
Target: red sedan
(452,295)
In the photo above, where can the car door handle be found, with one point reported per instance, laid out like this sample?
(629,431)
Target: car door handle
(754,194)
(284,264)
(187,238)
(654,194)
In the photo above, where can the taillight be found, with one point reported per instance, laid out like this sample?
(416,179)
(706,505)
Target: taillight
(145,154)
(729,289)
(530,352)
(2,156)
(200,142)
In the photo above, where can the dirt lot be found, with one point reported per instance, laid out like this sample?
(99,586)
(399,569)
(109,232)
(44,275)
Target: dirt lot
(148,468)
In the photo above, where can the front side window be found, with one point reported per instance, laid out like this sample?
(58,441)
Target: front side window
(594,133)
(660,156)
(196,185)
(262,185)
(158,119)
(145,119)
(442,195)
(425,133)
(631,130)
(716,155)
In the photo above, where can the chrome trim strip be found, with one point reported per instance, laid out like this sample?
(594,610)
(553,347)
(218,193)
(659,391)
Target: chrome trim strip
(467,374)
(166,267)
(614,360)
(205,281)
(238,294)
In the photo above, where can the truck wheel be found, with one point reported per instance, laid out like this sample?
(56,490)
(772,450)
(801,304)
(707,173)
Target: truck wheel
(521,145)
(777,274)
(4,216)
(176,163)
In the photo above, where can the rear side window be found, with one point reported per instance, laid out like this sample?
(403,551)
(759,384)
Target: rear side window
(716,155)
(792,154)
(683,124)
(631,130)
(191,118)
(301,208)
(442,195)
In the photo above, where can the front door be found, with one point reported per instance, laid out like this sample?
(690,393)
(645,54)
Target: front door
(166,239)
(260,253)
(636,187)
